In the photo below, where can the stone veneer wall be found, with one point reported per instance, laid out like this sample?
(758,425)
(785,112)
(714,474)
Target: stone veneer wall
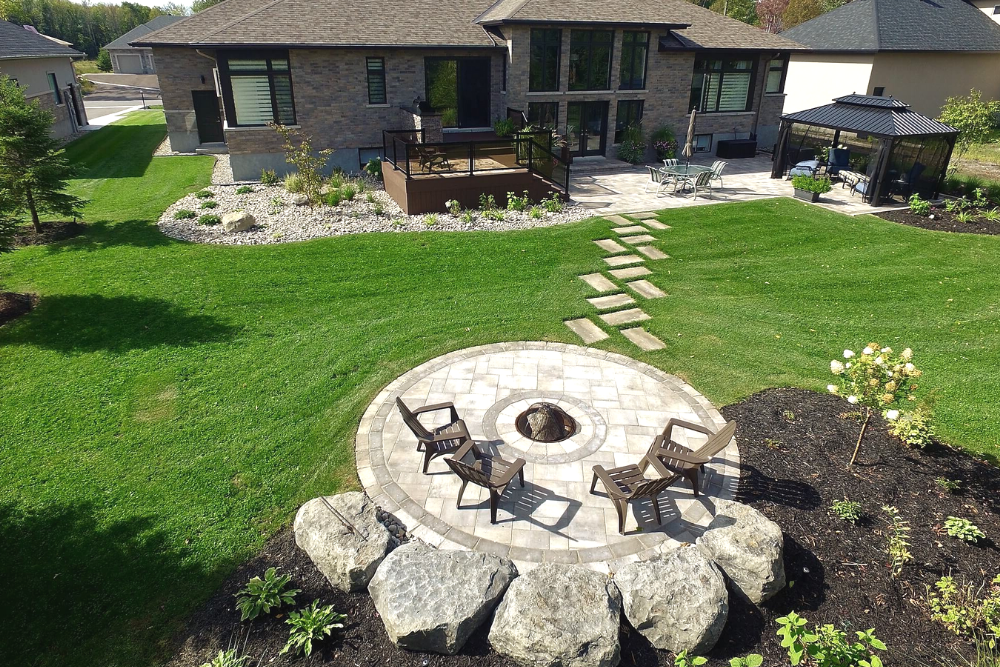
(62,125)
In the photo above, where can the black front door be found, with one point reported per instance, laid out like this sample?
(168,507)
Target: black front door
(587,127)
(208,116)
(474,92)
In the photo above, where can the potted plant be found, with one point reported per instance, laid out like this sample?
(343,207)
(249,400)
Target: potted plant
(664,143)
(809,189)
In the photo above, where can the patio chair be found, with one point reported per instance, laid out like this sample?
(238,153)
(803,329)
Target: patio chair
(659,179)
(671,162)
(717,168)
(804,168)
(905,185)
(700,181)
(686,462)
(840,159)
(440,440)
(489,471)
(629,483)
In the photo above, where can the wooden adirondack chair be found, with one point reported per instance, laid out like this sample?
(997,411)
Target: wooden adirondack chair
(488,471)
(440,440)
(686,462)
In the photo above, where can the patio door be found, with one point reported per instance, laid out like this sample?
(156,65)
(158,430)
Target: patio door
(587,127)
(459,90)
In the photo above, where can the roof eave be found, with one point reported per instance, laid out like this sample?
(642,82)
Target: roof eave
(308,45)
(74,55)
(656,24)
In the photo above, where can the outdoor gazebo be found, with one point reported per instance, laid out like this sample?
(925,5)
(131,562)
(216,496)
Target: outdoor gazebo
(894,149)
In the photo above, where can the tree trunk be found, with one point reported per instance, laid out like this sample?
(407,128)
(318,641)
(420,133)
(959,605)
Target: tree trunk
(34,212)
(857,447)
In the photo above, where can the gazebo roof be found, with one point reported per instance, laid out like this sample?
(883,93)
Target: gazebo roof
(868,114)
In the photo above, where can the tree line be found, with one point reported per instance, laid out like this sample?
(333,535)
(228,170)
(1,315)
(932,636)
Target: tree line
(772,15)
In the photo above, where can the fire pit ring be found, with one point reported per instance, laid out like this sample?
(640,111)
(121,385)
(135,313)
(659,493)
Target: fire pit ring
(546,422)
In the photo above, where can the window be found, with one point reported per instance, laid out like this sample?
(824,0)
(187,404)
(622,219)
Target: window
(703,143)
(629,113)
(260,87)
(879,91)
(543,69)
(376,80)
(441,80)
(996,9)
(635,46)
(543,114)
(459,90)
(54,87)
(721,85)
(590,59)
(776,75)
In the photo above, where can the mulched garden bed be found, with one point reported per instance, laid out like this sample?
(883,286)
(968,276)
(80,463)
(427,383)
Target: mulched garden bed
(51,232)
(943,222)
(795,446)
(13,305)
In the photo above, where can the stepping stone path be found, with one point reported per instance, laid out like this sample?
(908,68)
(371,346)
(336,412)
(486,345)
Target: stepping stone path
(651,252)
(641,238)
(610,246)
(633,229)
(653,224)
(612,301)
(643,339)
(646,289)
(599,282)
(618,220)
(587,330)
(643,216)
(631,272)
(622,260)
(625,316)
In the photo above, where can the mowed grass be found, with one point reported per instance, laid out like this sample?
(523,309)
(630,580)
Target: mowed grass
(168,405)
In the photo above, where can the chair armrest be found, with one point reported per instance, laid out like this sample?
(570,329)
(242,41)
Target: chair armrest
(461,433)
(687,425)
(438,406)
(513,467)
(681,456)
(465,449)
(657,465)
(609,484)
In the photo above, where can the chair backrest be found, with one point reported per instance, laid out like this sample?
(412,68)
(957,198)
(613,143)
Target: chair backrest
(655,174)
(704,178)
(670,162)
(412,422)
(840,157)
(468,473)
(717,167)
(915,171)
(717,442)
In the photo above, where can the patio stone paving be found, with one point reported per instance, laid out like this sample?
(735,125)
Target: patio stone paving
(622,260)
(630,272)
(646,289)
(654,224)
(586,330)
(652,253)
(599,282)
(625,316)
(610,246)
(639,238)
(611,301)
(619,403)
(643,339)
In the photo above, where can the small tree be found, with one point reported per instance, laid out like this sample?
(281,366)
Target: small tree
(974,118)
(800,11)
(33,168)
(741,10)
(104,60)
(307,162)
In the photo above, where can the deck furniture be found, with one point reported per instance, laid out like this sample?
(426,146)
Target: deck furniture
(627,484)
(905,186)
(840,159)
(717,168)
(686,462)
(659,178)
(489,471)
(804,168)
(736,148)
(440,440)
(699,181)
(670,162)
(431,157)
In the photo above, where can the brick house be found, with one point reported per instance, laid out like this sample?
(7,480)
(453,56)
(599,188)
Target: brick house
(343,73)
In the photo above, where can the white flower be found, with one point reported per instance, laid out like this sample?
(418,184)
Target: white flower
(852,400)
(867,350)
(907,354)
(836,367)
(885,350)
(910,368)
(847,365)
(889,373)
(892,415)
(880,361)
(832,388)
(848,354)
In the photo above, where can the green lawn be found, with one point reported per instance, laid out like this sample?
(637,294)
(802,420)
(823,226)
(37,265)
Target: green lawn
(167,406)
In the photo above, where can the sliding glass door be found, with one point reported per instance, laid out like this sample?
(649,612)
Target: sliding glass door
(587,127)
(459,89)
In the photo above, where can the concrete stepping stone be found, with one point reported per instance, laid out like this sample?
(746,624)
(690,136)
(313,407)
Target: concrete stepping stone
(599,282)
(643,216)
(641,238)
(612,301)
(618,220)
(610,246)
(622,260)
(630,272)
(651,252)
(654,224)
(625,316)
(646,289)
(631,229)
(643,339)
(587,330)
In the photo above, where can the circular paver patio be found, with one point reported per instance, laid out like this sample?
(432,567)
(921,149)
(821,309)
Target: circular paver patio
(619,403)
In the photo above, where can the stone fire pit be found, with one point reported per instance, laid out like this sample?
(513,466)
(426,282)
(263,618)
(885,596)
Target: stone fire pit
(545,422)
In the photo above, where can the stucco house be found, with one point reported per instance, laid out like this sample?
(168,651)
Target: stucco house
(918,51)
(44,68)
(343,73)
(128,59)
(990,7)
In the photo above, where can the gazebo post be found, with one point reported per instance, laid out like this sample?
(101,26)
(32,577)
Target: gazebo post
(778,166)
(882,165)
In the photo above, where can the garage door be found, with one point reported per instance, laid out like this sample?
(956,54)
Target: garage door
(129,65)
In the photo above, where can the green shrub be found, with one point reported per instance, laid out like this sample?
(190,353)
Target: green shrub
(244,190)
(919,206)
(682,659)
(104,61)
(431,219)
(262,595)
(268,177)
(348,192)
(184,214)
(963,529)
(664,143)
(378,209)
(752,660)
(973,117)
(847,510)
(897,547)
(949,485)
(335,181)
(209,204)
(467,217)
(554,204)
(370,198)
(963,611)
(810,184)
(914,428)
(209,219)
(454,206)
(293,183)
(311,624)
(503,127)
(204,194)
(965,217)
(536,213)
(333,198)
(374,168)
(632,148)
(991,215)
(497,214)
(308,162)
(228,659)
(515,203)
(487,202)
(826,646)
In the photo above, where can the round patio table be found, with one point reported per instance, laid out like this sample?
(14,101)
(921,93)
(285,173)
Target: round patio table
(682,172)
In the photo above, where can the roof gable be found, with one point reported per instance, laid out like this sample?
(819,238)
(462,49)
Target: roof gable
(879,116)
(135,33)
(16,42)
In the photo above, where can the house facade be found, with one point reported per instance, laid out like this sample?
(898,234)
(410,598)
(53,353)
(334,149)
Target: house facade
(585,70)
(919,52)
(128,59)
(44,69)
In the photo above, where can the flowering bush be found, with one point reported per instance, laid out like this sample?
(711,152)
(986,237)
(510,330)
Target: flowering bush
(913,428)
(664,143)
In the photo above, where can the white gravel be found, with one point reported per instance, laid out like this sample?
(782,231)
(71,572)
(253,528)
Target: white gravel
(280,221)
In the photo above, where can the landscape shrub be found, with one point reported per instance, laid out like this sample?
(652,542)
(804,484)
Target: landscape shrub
(370,198)
(268,177)
(919,206)
(664,143)
(515,203)
(489,208)
(536,213)
(682,659)
(348,191)
(311,624)
(333,198)
(209,204)
(963,529)
(104,61)
(293,183)
(184,214)
(204,194)
(244,190)
(974,118)
(467,217)
(209,220)
(503,127)
(847,510)
(752,660)
(810,184)
(431,219)
(228,659)
(554,204)
(914,428)
(949,485)
(374,168)
(991,215)
(827,646)
(897,547)
(454,206)
(262,595)
(378,209)
(965,217)
(308,163)
(964,610)
(633,145)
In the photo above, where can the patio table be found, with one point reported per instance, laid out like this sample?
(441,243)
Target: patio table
(683,173)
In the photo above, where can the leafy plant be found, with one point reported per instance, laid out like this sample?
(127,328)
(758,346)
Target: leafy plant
(311,624)
(633,145)
(228,659)
(898,548)
(973,117)
(554,204)
(949,485)
(503,127)
(497,214)
(184,214)
(467,217)
(348,192)
(914,427)
(293,183)
(963,529)
(268,177)
(515,203)
(378,208)
(454,206)
(308,163)
(536,213)
(204,194)
(919,206)
(827,646)
(209,204)
(209,219)
(957,205)
(277,203)
(991,215)
(374,168)
(664,143)
(487,202)
(964,610)
(263,595)
(965,217)
(683,660)
(431,219)
(370,198)
(810,184)
(333,198)
(848,510)
(772,443)
(244,189)
(752,660)
(104,60)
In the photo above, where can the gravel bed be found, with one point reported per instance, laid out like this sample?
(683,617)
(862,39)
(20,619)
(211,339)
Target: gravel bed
(287,222)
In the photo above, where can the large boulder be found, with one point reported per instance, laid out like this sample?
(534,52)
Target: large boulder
(559,616)
(348,548)
(678,602)
(300,199)
(432,600)
(748,547)
(237,221)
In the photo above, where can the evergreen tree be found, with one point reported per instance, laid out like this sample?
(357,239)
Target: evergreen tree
(104,61)
(33,168)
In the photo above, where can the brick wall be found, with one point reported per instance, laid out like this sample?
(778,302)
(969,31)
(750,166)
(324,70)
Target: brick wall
(62,126)
(180,71)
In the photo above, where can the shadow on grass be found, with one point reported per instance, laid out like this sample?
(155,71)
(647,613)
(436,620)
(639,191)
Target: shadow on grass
(105,234)
(115,151)
(90,322)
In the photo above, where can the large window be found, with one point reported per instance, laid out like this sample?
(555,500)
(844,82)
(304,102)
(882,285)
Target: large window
(459,90)
(629,113)
(635,46)
(543,114)
(441,79)
(54,87)
(721,84)
(376,80)
(776,75)
(543,72)
(260,87)
(590,59)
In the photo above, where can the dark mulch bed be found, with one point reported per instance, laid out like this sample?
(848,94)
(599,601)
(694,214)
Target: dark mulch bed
(13,305)
(943,222)
(795,446)
(51,232)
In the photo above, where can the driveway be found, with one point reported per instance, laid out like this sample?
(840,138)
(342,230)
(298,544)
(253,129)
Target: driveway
(134,80)
(114,98)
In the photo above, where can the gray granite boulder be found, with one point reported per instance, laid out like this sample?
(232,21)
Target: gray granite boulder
(348,558)
(238,221)
(432,600)
(559,616)
(748,547)
(300,199)
(678,602)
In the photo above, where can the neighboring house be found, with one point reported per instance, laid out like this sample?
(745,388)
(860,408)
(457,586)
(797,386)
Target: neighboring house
(343,74)
(914,50)
(990,7)
(44,68)
(128,59)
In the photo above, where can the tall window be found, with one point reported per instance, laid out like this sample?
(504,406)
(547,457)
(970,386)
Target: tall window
(721,85)
(543,71)
(54,87)
(261,89)
(441,81)
(376,80)
(629,113)
(590,59)
(543,114)
(635,46)
(776,75)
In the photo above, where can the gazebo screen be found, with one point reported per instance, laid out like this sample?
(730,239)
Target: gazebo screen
(926,158)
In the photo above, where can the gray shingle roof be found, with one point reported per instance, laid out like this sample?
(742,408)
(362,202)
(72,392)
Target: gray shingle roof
(880,116)
(161,21)
(900,25)
(16,42)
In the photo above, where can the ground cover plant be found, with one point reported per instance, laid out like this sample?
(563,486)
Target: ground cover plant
(204,392)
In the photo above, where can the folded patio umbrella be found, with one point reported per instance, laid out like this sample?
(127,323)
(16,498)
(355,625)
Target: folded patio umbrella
(688,149)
